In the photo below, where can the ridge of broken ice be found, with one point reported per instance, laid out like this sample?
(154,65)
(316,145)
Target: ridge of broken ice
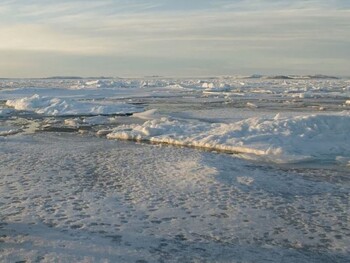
(52,106)
(280,140)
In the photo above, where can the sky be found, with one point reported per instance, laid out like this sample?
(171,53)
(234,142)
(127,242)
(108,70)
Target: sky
(134,38)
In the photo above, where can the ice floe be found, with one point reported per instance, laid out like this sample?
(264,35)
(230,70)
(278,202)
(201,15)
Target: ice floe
(281,140)
(72,198)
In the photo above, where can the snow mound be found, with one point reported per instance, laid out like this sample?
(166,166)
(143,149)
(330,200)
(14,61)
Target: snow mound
(280,140)
(63,107)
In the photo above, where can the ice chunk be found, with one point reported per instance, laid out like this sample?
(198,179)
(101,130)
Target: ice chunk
(72,122)
(208,85)
(251,105)
(147,115)
(246,180)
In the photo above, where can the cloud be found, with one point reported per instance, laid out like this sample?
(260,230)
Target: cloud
(43,38)
(134,33)
(223,32)
(263,5)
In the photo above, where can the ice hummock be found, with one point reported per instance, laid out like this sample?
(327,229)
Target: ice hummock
(51,106)
(281,140)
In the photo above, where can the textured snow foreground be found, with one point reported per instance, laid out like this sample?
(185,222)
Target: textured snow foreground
(274,186)
(92,200)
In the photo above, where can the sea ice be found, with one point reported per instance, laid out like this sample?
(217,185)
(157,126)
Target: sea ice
(63,107)
(72,198)
(97,120)
(282,140)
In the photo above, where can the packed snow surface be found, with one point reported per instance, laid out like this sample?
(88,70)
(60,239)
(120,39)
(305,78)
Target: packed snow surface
(60,107)
(68,198)
(278,139)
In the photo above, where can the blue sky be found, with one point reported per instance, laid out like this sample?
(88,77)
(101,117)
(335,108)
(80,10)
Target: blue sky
(173,38)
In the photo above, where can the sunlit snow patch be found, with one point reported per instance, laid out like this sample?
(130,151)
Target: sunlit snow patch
(62,107)
(281,140)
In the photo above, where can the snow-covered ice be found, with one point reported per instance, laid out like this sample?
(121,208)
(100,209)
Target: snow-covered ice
(62,107)
(88,199)
(68,194)
(147,115)
(314,137)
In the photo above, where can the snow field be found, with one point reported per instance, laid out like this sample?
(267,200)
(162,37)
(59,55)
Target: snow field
(91,200)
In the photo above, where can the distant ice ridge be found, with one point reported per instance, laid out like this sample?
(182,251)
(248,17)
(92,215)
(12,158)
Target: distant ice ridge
(62,107)
(280,140)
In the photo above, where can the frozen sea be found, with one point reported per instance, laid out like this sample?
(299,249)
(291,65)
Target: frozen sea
(222,169)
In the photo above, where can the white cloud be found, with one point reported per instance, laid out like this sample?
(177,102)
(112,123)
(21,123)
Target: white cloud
(43,38)
(243,31)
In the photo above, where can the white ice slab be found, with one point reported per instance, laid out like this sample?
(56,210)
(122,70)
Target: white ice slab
(280,140)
